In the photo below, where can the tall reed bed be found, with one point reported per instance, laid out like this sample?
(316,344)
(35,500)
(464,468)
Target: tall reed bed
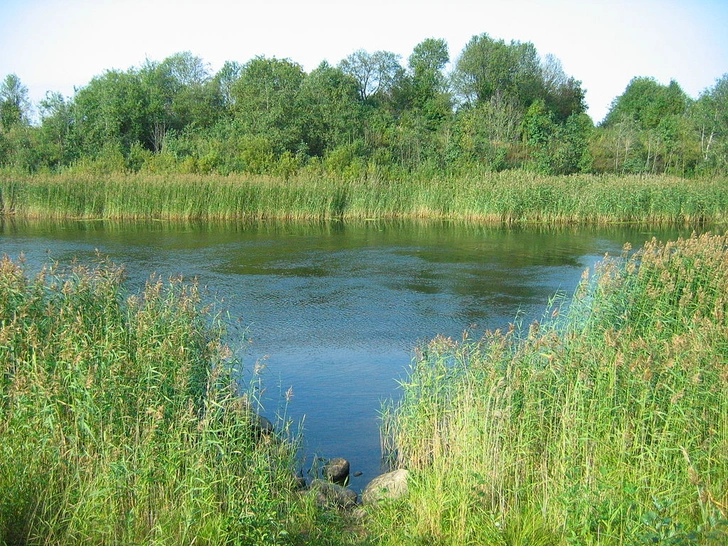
(607,423)
(121,421)
(507,197)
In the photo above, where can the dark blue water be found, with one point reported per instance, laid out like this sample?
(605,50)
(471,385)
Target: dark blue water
(331,312)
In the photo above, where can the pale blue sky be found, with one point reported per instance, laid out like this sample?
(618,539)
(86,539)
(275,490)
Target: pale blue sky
(57,45)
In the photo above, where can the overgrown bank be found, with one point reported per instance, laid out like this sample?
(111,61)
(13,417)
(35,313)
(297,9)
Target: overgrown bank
(121,422)
(506,197)
(605,424)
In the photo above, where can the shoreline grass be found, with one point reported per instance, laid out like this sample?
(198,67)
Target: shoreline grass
(500,198)
(607,423)
(121,421)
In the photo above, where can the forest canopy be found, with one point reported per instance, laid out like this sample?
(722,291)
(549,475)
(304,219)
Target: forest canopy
(497,105)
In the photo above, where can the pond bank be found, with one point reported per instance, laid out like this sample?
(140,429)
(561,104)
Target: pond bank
(497,198)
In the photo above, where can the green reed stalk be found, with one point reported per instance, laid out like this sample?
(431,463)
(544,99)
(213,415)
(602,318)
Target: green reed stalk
(507,197)
(605,424)
(121,421)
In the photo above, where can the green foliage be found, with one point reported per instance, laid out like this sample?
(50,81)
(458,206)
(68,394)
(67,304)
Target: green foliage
(557,149)
(710,115)
(347,160)
(648,130)
(489,67)
(413,120)
(648,103)
(330,109)
(122,421)
(426,63)
(22,149)
(376,73)
(180,94)
(604,423)
(257,155)
(14,103)
(265,102)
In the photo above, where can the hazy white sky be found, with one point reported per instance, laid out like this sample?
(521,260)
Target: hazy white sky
(57,45)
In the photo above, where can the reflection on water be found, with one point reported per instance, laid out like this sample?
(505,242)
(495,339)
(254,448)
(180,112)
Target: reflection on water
(334,309)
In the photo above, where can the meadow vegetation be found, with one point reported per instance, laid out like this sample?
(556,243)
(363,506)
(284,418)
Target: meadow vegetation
(605,423)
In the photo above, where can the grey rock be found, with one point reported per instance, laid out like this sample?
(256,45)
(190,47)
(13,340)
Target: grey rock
(389,486)
(337,470)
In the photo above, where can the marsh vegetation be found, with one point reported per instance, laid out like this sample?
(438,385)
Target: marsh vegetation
(605,422)
(123,421)
(510,197)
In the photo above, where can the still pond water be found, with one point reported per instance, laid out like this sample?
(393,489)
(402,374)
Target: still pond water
(335,310)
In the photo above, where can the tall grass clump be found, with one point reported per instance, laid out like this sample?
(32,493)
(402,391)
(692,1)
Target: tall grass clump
(507,197)
(607,423)
(121,421)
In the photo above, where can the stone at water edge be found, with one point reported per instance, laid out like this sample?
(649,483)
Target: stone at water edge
(337,470)
(389,486)
(330,494)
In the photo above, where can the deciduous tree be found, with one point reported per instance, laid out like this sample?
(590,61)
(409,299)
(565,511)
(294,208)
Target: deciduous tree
(330,109)
(488,67)
(376,74)
(14,102)
(265,102)
(56,114)
(111,112)
(709,116)
(647,102)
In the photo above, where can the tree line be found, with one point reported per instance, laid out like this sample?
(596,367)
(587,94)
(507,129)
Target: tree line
(500,106)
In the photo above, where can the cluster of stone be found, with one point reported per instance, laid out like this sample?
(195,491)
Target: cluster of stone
(332,490)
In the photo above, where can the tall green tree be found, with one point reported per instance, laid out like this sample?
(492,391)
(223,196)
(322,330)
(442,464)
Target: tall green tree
(265,98)
(180,93)
(224,81)
(330,109)
(647,102)
(56,114)
(488,67)
(429,86)
(14,103)
(570,151)
(646,120)
(196,100)
(111,112)
(376,74)
(709,116)
(426,64)
(564,96)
